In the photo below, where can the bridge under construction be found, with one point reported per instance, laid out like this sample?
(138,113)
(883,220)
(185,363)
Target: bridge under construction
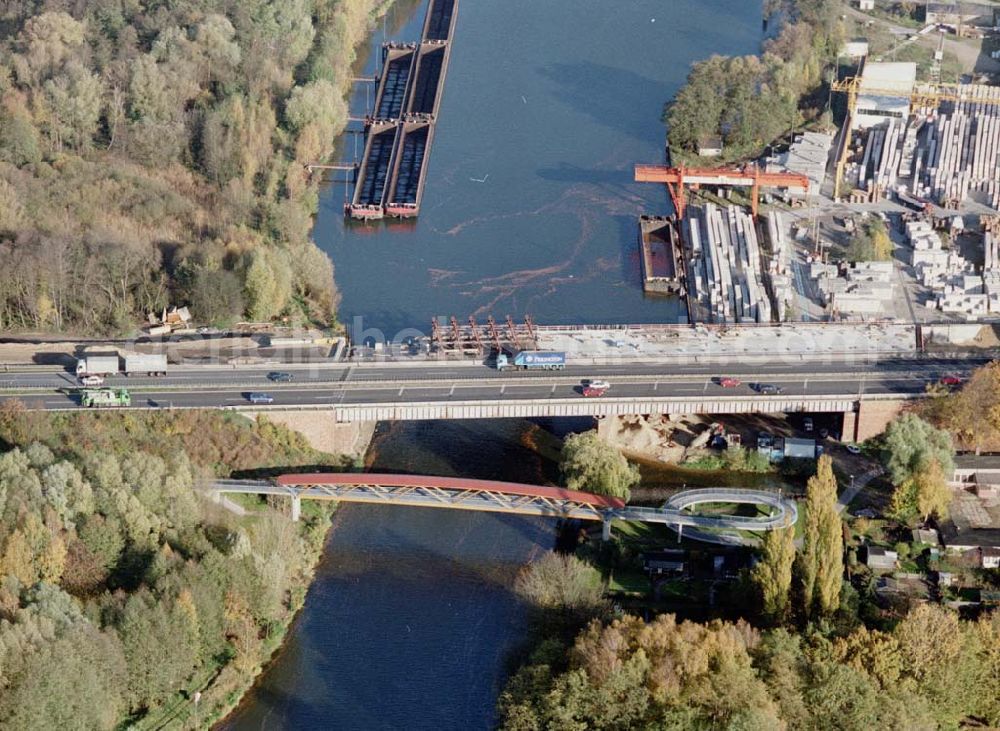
(400,130)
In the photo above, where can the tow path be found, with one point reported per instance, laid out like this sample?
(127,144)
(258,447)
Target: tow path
(390,180)
(508,497)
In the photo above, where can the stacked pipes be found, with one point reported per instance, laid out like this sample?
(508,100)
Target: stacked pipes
(725,266)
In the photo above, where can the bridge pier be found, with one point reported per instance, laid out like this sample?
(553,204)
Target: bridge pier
(296,508)
(606,529)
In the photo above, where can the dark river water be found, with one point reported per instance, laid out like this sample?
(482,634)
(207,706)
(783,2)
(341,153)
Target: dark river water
(410,621)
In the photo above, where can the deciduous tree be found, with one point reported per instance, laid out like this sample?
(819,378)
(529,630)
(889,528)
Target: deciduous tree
(821,563)
(589,463)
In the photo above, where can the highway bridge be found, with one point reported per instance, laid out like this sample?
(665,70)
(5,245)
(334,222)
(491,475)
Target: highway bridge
(456,493)
(442,390)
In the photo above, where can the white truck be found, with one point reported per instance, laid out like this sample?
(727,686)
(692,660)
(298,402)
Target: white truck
(98,364)
(135,364)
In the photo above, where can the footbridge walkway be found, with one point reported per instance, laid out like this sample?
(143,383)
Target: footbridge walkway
(518,499)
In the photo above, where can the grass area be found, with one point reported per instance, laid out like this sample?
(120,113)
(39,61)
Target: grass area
(625,581)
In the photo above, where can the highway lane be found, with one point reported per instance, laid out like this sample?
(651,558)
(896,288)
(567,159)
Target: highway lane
(534,388)
(182,377)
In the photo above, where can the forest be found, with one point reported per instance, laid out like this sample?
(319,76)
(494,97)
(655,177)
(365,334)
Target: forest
(123,591)
(751,101)
(153,154)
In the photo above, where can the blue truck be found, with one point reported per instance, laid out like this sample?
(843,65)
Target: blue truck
(532,360)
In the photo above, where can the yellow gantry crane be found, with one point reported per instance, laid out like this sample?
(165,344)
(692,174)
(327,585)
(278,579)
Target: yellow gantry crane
(921,94)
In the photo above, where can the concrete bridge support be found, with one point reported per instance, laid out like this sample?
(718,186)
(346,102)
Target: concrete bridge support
(870,420)
(322,430)
(296,508)
(606,529)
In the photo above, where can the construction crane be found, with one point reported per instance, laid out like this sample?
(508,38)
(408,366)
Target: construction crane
(750,176)
(921,95)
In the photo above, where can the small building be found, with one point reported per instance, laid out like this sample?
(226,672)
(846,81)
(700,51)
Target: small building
(793,448)
(664,563)
(958,13)
(855,48)
(866,4)
(884,93)
(926,536)
(880,559)
(710,146)
(989,557)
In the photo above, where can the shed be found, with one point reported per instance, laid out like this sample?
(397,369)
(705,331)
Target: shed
(667,562)
(710,146)
(927,536)
(855,48)
(866,4)
(880,558)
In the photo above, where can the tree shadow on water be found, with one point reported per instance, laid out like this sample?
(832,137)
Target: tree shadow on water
(599,91)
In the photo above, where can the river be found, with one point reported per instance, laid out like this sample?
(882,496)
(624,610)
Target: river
(410,620)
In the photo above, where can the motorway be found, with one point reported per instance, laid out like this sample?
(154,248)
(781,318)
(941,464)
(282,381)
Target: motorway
(416,383)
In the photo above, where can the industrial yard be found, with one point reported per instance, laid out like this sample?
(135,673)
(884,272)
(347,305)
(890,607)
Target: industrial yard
(892,217)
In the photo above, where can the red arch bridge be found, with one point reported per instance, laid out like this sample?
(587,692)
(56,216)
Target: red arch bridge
(510,497)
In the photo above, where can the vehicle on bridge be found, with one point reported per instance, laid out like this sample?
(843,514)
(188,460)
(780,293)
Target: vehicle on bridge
(728,382)
(92,381)
(532,360)
(279,377)
(99,397)
(950,380)
(768,389)
(260,398)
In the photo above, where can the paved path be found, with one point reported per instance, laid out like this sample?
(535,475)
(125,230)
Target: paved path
(859,483)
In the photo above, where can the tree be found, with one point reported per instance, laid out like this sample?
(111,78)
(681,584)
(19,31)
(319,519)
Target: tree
(925,493)
(772,576)
(217,296)
(561,582)
(75,682)
(912,444)
(871,242)
(821,563)
(591,464)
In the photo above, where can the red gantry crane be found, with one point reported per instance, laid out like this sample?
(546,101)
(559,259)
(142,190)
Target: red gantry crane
(748,176)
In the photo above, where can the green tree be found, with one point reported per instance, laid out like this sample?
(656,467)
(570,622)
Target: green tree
(912,444)
(75,682)
(871,242)
(925,493)
(821,563)
(217,297)
(772,575)
(589,463)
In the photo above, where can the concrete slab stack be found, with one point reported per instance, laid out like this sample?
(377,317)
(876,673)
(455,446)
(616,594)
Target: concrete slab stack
(726,265)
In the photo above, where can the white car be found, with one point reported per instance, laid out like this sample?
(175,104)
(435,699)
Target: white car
(853,448)
(599,384)
(92,380)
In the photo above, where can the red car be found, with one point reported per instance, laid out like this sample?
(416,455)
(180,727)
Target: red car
(591,391)
(730,382)
(951,380)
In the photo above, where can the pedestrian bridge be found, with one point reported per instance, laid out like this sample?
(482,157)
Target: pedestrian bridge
(509,497)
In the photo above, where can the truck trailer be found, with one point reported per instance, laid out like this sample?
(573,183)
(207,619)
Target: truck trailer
(99,397)
(142,364)
(532,360)
(109,364)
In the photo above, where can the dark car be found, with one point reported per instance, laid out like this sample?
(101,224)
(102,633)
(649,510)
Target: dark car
(279,377)
(768,388)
